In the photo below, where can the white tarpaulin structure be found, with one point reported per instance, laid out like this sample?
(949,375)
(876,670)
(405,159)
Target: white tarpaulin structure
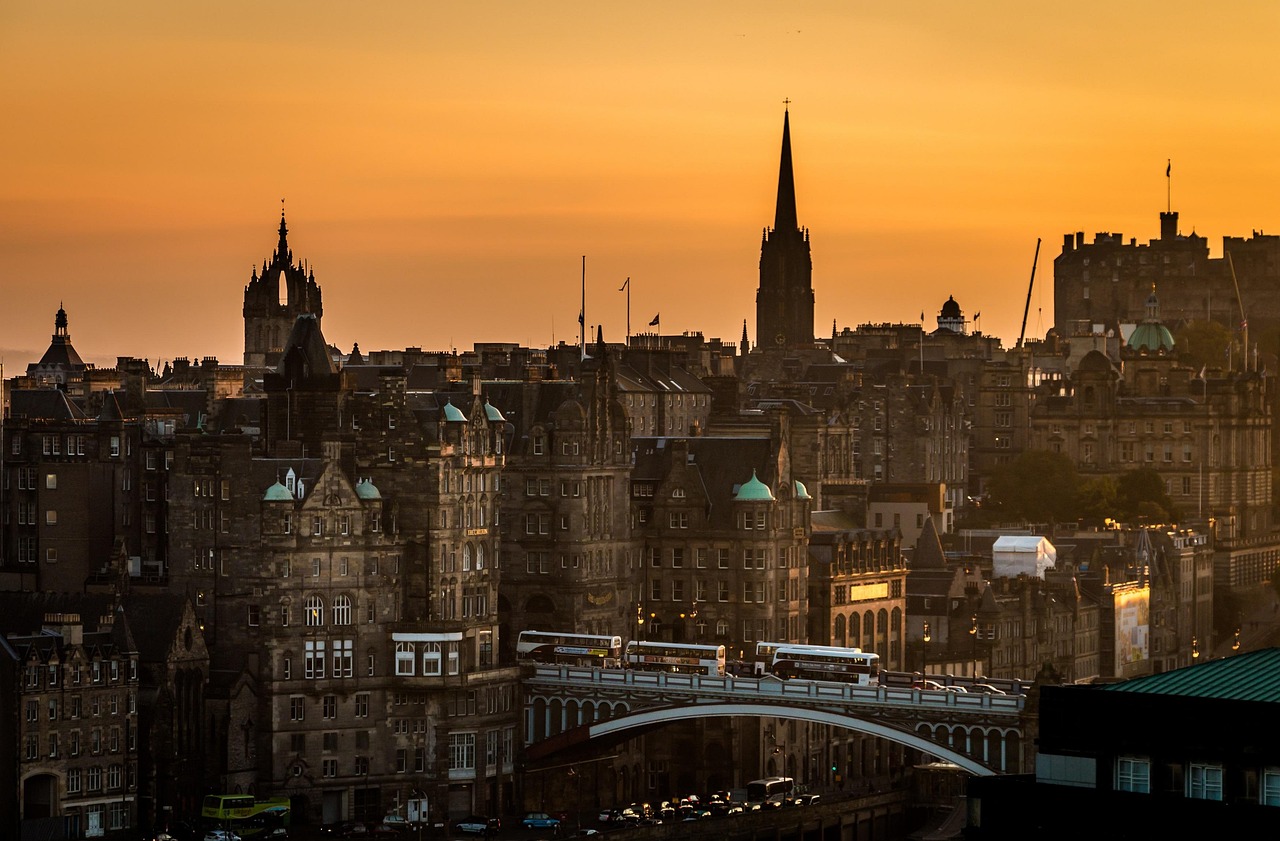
(1014,555)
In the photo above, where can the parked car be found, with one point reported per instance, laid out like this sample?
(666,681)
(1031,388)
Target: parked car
(805,799)
(540,820)
(477,825)
(220,835)
(929,685)
(959,690)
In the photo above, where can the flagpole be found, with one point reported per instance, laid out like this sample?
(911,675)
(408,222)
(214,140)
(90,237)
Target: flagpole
(582,313)
(1168,185)
(626,287)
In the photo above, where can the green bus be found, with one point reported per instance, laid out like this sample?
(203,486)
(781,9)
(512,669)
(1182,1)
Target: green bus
(246,815)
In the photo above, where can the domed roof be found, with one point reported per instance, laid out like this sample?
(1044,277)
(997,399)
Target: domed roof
(277,493)
(753,490)
(951,309)
(366,490)
(1152,337)
(493,414)
(453,414)
(801,491)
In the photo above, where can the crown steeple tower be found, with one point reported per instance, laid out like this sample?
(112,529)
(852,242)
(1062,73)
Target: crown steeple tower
(784,300)
(274,299)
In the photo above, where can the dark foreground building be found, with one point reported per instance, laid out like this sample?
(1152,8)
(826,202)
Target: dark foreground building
(1148,758)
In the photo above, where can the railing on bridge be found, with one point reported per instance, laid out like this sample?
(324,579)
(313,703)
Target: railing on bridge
(772,689)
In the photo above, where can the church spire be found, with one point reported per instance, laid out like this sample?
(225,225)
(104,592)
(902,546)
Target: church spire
(784,218)
(282,248)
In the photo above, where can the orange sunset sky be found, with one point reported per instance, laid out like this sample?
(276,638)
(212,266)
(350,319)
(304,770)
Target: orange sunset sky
(447,165)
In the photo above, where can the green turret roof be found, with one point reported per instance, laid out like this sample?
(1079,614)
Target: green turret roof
(754,490)
(277,493)
(366,490)
(453,414)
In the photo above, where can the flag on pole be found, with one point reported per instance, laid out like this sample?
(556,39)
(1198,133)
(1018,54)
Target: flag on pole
(624,286)
(657,318)
(1168,168)
(581,317)
(922,316)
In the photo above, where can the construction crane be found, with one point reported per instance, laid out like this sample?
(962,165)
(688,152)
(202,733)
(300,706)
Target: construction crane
(1023,334)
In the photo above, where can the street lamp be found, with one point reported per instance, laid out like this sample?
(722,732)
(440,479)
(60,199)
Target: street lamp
(973,638)
(924,666)
(1235,645)
(1195,649)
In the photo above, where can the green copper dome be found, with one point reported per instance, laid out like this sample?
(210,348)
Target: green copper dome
(453,414)
(754,491)
(1153,338)
(366,490)
(277,493)
(801,491)
(493,414)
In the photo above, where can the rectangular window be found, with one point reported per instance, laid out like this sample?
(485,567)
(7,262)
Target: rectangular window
(1204,782)
(1133,774)
(362,705)
(462,751)
(329,706)
(296,708)
(1270,794)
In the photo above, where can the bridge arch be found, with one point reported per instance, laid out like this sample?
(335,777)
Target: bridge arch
(911,739)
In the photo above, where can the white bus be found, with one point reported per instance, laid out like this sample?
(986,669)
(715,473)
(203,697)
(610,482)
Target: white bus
(571,649)
(824,662)
(680,657)
(770,789)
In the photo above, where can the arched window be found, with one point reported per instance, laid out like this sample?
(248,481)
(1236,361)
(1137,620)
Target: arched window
(868,627)
(722,628)
(342,610)
(466,557)
(480,560)
(895,621)
(405,658)
(882,621)
(837,634)
(315,611)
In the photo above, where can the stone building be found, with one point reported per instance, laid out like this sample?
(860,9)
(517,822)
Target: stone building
(73,716)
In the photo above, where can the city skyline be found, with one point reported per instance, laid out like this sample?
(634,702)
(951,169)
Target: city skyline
(445,170)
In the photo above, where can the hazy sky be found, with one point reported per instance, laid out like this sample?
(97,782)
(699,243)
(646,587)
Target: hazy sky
(447,165)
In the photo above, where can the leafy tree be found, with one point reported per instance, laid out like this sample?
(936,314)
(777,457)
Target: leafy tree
(1140,495)
(1038,486)
(1201,343)
(1096,500)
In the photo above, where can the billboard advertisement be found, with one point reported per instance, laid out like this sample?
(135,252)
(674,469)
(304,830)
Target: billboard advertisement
(1132,612)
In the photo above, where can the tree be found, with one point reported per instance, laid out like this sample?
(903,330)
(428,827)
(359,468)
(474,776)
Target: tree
(1140,494)
(1038,486)
(1096,500)
(1203,343)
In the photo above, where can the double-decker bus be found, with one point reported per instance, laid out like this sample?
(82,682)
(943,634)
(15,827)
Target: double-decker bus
(246,815)
(825,662)
(572,649)
(685,658)
(775,789)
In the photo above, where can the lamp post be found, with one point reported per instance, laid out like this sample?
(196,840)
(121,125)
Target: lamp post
(1235,644)
(924,651)
(1195,649)
(973,638)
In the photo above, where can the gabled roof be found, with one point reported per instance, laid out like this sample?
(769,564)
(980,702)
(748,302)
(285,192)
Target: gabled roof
(1254,676)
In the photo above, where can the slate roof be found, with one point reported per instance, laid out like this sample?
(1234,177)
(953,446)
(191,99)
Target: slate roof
(1253,676)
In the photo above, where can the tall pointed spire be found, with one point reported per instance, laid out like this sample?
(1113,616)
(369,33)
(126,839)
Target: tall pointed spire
(282,248)
(784,218)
